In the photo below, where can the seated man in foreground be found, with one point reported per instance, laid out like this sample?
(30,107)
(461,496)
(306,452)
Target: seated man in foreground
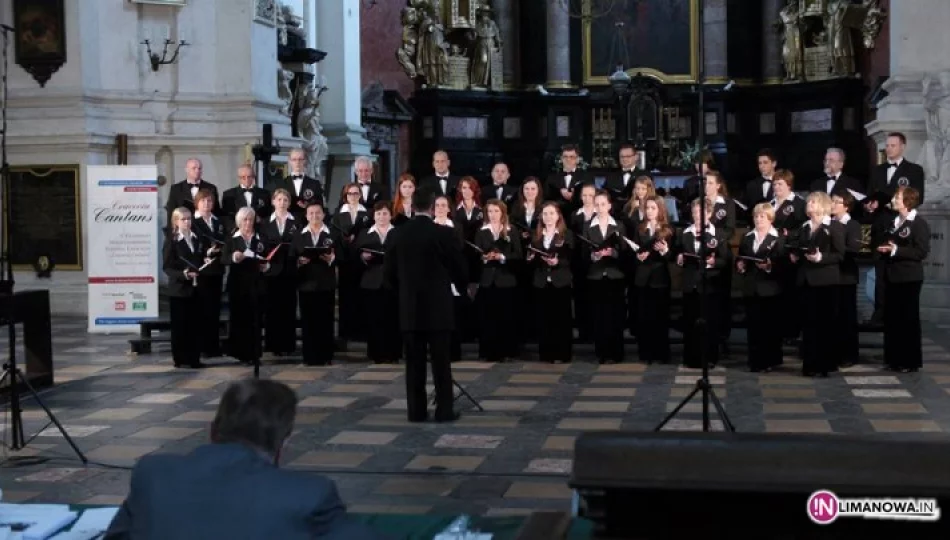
(232,488)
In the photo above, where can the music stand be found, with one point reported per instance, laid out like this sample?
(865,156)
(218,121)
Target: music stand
(12,375)
(702,384)
(456,397)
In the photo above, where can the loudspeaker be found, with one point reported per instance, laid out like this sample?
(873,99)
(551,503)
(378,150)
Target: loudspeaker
(268,140)
(729,485)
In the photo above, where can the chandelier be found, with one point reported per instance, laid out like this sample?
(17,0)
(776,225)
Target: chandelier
(589,9)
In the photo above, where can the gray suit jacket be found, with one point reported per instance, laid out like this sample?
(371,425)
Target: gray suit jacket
(229,491)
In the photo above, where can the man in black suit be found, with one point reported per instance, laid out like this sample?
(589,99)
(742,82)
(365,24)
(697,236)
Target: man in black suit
(442,182)
(233,488)
(499,188)
(620,183)
(183,193)
(835,181)
(303,189)
(423,264)
(370,192)
(885,179)
(563,187)
(759,190)
(246,194)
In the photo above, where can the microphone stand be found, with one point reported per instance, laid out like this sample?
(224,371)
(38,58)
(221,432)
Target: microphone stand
(702,384)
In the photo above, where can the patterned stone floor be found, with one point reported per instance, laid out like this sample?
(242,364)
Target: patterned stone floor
(510,459)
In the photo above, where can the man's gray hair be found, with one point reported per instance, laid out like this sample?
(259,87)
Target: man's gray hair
(838,151)
(363,160)
(256,412)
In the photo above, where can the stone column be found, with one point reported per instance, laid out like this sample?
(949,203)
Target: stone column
(772,68)
(506,17)
(920,80)
(715,41)
(558,46)
(338,34)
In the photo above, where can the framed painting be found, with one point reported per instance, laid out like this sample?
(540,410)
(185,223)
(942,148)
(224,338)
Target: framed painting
(40,37)
(45,218)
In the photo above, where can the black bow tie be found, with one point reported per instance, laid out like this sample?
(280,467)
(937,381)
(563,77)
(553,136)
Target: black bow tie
(832,179)
(248,190)
(630,171)
(297,176)
(443,178)
(892,165)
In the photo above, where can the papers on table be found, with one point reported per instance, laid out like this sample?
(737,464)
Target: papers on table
(43,521)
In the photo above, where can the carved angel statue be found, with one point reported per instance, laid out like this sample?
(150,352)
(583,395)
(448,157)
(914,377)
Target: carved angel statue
(792,42)
(286,95)
(406,54)
(308,125)
(487,43)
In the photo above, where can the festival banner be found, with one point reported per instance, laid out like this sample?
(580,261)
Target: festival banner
(122,246)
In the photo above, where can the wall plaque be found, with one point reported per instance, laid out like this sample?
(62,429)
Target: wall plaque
(44,216)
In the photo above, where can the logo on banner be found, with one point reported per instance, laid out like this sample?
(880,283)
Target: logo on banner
(120,306)
(139,306)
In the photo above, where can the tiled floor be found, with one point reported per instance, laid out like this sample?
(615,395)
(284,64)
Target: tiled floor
(510,459)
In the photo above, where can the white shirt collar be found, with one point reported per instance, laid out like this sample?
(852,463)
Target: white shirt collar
(373,229)
(710,228)
(237,234)
(180,236)
(910,217)
(898,162)
(323,229)
(720,199)
(487,227)
(771,232)
(461,206)
(844,219)
(273,217)
(346,208)
(448,223)
(596,222)
(824,221)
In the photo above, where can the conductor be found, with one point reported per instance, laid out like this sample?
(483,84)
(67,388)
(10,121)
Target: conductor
(423,264)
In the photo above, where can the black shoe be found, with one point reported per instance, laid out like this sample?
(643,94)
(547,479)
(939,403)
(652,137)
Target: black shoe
(452,417)
(418,419)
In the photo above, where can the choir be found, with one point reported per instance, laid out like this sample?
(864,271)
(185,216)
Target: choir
(544,260)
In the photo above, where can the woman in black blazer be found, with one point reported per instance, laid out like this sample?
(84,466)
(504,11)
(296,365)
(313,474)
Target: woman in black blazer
(903,254)
(847,298)
(245,289)
(316,250)
(579,264)
(462,300)
(402,203)
(606,242)
(349,222)
(211,231)
(759,250)
(723,218)
(501,251)
(643,188)
(702,299)
(820,249)
(184,254)
(652,241)
(525,216)
(469,216)
(280,318)
(550,255)
(789,217)
(383,342)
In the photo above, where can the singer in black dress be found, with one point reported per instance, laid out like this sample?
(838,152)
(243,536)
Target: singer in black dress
(210,230)
(280,315)
(701,297)
(184,255)
(402,203)
(605,239)
(653,281)
(524,219)
(847,299)
(759,250)
(500,249)
(789,217)
(469,217)
(245,252)
(550,255)
(348,223)
(316,248)
(723,217)
(632,215)
(904,250)
(383,341)
(461,300)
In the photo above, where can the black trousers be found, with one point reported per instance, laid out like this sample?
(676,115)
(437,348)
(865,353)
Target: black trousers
(556,335)
(791,316)
(462,307)
(582,311)
(433,347)
(902,335)
(724,299)
(608,317)
(526,302)
(819,311)
(632,307)
(498,333)
(383,339)
(699,341)
(245,323)
(880,294)
(763,319)
(209,300)
(280,318)
(653,324)
(316,310)
(186,331)
(847,331)
(351,323)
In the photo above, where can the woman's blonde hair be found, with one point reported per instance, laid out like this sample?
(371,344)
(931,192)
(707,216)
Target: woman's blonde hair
(822,200)
(766,210)
(177,214)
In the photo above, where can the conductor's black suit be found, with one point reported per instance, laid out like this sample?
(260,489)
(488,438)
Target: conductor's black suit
(423,264)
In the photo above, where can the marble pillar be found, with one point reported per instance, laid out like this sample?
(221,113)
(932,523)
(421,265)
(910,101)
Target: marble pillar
(918,105)
(338,34)
(558,46)
(772,68)
(506,16)
(715,41)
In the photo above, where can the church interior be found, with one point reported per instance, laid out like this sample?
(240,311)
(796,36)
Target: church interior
(498,108)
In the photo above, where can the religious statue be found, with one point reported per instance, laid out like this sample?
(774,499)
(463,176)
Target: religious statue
(486,48)
(406,54)
(432,60)
(308,126)
(839,38)
(286,95)
(872,23)
(935,156)
(792,42)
